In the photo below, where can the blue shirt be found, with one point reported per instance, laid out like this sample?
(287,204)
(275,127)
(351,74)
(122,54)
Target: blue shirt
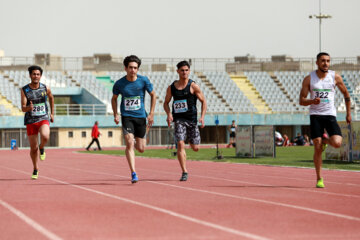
(133,95)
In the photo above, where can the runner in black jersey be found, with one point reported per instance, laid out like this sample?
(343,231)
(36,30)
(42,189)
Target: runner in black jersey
(33,102)
(185,92)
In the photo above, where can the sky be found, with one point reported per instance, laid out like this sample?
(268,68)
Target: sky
(182,28)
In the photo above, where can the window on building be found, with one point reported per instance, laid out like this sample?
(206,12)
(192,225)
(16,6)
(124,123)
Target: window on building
(70,134)
(83,134)
(110,134)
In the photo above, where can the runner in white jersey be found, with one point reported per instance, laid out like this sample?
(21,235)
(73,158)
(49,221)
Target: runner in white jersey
(321,85)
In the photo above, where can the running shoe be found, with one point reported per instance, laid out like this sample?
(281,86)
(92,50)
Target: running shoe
(42,154)
(184,176)
(324,146)
(35,174)
(134,178)
(320,183)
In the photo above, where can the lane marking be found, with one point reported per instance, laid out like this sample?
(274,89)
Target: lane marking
(339,215)
(162,210)
(30,221)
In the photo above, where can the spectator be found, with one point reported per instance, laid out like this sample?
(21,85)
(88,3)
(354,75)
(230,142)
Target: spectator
(299,140)
(286,141)
(278,139)
(95,135)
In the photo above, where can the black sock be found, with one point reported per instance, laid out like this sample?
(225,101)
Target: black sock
(41,151)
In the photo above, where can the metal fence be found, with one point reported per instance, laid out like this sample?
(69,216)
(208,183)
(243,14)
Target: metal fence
(80,109)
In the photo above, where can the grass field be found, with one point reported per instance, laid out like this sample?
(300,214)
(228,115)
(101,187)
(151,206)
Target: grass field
(289,156)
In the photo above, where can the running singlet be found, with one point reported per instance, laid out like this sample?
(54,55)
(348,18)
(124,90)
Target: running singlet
(38,97)
(133,95)
(184,104)
(325,90)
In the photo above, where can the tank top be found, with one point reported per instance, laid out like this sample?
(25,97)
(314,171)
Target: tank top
(184,104)
(232,128)
(325,90)
(38,98)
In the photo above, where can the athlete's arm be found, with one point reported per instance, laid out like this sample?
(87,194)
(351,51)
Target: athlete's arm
(340,84)
(51,101)
(150,117)
(201,97)
(25,108)
(303,100)
(114,108)
(167,100)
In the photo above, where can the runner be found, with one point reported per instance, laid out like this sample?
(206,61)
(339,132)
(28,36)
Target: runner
(321,85)
(184,113)
(33,102)
(133,116)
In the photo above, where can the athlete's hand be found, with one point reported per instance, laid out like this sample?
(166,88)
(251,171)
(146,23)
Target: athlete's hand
(150,119)
(116,119)
(31,107)
(169,120)
(202,122)
(316,101)
(51,117)
(348,118)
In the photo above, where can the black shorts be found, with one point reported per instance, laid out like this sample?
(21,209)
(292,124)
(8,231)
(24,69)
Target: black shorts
(320,122)
(232,134)
(136,126)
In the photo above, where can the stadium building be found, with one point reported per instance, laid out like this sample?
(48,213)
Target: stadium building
(246,89)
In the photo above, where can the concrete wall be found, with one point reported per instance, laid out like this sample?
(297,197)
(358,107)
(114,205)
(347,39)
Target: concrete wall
(77,140)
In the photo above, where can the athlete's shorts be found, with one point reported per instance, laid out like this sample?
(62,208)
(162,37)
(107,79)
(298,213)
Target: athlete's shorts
(320,122)
(136,126)
(33,128)
(187,130)
(232,134)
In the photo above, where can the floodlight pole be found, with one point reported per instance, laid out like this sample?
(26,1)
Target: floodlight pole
(320,17)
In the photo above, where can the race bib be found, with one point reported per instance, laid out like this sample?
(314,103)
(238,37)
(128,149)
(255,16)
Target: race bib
(132,103)
(39,109)
(180,106)
(323,94)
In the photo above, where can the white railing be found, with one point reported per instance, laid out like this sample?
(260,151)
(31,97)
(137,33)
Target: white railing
(80,109)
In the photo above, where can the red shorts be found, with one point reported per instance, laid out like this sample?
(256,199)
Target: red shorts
(33,128)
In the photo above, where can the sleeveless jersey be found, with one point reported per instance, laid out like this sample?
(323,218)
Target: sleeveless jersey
(38,98)
(325,90)
(184,104)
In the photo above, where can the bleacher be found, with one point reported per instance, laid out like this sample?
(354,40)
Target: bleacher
(280,89)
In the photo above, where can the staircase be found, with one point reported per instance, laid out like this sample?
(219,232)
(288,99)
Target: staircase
(250,92)
(14,111)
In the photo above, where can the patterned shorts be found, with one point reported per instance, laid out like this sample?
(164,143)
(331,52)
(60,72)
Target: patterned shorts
(186,130)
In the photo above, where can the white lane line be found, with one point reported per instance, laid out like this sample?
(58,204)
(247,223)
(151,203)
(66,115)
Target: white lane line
(251,174)
(235,196)
(245,182)
(30,221)
(162,210)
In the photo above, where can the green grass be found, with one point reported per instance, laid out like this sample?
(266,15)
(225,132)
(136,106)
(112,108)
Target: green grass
(289,156)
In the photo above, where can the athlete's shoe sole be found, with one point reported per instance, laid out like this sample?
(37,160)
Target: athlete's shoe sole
(35,174)
(134,178)
(320,183)
(42,156)
(184,177)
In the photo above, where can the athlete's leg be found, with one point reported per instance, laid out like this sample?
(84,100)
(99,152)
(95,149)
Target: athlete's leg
(334,141)
(44,131)
(34,150)
(140,144)
(130,153)
(181,154)
(317,156)
(194,147)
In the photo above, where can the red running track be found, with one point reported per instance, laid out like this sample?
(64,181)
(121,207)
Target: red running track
(87,196)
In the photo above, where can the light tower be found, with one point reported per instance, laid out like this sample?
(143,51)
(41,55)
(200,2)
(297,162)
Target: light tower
(320,16)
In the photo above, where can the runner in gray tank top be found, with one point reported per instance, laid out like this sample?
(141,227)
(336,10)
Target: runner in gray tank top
(34,103)
(321,85)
